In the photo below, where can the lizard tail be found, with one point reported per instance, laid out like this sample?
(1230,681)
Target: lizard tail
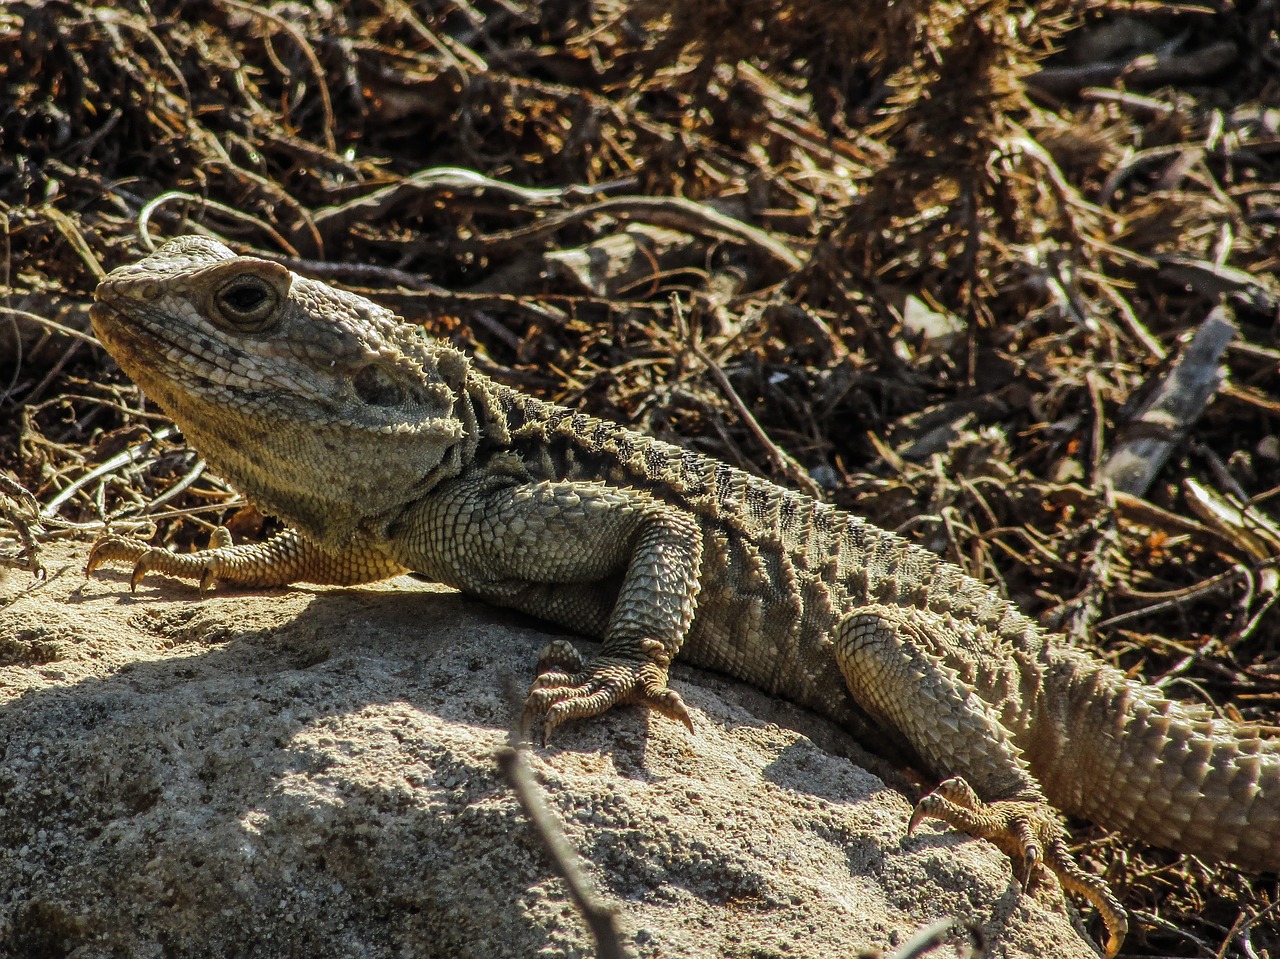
(1166,772)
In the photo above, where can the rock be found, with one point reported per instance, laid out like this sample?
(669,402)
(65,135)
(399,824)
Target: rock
(310,773)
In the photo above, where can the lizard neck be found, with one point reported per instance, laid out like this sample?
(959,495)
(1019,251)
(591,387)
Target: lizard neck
(337,480)
(484,408)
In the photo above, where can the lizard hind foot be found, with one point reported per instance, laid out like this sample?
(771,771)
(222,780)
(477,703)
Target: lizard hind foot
(567,689)
(1030,833)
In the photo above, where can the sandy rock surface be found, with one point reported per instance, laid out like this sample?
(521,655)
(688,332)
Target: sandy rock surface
(309,773)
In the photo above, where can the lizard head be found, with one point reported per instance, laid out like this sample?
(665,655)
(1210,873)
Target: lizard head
(321,406)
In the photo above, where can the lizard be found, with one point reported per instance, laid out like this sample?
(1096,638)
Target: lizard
(384,451)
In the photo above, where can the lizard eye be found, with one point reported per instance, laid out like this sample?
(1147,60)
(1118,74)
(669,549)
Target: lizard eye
(247,301)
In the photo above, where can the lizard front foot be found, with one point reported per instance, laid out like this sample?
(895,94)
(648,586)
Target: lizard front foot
(565,689)
(205,564)
(1030,833)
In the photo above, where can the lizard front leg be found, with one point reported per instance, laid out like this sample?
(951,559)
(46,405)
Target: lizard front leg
(617,563)
(285,558)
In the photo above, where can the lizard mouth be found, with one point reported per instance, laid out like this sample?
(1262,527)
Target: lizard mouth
(134,345)
(118,332)
(113,329)
(140,350)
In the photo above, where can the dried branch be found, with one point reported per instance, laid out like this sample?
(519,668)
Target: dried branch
(1152,433)
(601,917)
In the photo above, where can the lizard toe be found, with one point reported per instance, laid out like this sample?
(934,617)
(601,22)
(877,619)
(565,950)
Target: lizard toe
(581,704)
(111,548)
(1024,838)
(1019,828)
(560,656)
(1074,879)
(559,697)
(204,565)
(669,703)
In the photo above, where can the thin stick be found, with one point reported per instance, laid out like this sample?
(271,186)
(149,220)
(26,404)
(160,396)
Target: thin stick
(131,455)
(779,460)
(601,917)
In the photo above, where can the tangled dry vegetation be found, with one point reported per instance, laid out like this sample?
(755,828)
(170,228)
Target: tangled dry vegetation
(939,261)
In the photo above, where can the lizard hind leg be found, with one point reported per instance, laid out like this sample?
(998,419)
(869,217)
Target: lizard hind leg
(1028,833)
(913,671)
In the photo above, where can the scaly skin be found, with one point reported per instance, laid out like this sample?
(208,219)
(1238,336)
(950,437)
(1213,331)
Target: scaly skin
(385,451)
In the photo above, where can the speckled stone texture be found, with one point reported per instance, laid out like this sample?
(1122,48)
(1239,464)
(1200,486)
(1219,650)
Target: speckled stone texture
(309,773)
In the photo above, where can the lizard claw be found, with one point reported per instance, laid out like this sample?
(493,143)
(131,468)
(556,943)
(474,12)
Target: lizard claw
(204,564)
(568,691)
(1030,833)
